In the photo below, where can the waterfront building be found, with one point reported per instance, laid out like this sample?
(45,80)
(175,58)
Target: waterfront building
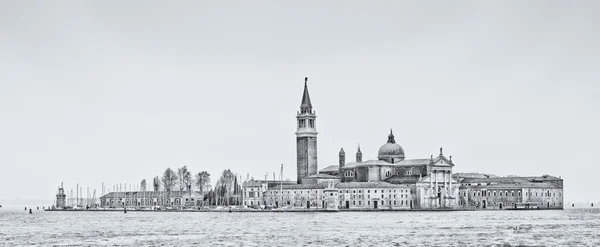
(149,199)
(493,192)
(391,181)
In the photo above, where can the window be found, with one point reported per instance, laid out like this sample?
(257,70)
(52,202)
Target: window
(494,193)
(501,193)
(375,191)
(388,174)
(512,194)
(519,193)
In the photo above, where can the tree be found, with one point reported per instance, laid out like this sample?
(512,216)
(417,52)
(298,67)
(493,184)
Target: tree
(143,185)
(227,183)
(203,181)
(185,178)
(169,179)
(156,183)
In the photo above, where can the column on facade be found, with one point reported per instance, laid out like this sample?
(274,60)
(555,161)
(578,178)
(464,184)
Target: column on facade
(431,181)
(435,191)
(445,188)
(450,185)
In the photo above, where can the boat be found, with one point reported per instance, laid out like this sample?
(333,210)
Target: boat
(524,206)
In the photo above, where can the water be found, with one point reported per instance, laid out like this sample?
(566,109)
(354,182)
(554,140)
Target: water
(573,227)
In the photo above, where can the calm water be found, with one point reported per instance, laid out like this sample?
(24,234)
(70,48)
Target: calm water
(574,227)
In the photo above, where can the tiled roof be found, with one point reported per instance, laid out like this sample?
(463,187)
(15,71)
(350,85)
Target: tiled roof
(473,175)
(403,179)
(332,168)
(320,175)
(514,186)
(366,185)
(252,183)
(413,162)
(297,187)
(352,164)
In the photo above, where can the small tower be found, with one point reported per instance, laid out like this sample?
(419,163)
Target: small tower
(342,158)
(306,138)
(61,198)
(358,155)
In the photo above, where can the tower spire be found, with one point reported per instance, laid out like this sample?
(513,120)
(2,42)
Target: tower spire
(305,105)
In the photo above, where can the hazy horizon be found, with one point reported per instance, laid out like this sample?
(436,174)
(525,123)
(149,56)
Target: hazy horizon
(116,92)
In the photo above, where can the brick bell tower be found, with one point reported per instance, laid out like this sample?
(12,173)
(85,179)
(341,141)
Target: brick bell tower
(306,138)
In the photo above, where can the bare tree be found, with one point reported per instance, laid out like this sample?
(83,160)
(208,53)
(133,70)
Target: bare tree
(227,181)
(203,181)
(169,179)
(185,178)
(143,185)
(156,183)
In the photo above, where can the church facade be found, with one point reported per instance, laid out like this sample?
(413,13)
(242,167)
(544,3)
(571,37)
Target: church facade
(391,181)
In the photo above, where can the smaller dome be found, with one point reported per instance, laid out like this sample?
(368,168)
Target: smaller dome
(342,152)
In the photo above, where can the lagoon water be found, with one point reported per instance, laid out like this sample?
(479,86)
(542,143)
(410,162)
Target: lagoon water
(572,227)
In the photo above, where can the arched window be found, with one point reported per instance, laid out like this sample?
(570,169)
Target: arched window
(388,174)
(512,194)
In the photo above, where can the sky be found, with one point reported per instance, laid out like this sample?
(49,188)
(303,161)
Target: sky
(113,92)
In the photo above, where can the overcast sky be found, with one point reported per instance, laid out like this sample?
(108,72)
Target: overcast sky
(117,91)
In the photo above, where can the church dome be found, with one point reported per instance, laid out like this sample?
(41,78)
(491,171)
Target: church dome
(391,151)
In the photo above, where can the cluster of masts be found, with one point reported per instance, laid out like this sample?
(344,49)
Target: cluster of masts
(77,198)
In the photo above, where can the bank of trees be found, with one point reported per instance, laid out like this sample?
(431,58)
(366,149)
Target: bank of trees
(227,189)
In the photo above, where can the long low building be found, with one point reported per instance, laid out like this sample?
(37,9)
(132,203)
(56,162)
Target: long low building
(493,192)
(152,199)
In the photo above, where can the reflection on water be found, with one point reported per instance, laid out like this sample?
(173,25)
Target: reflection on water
(576,227)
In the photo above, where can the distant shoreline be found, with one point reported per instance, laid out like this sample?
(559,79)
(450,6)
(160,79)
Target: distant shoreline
(289,210)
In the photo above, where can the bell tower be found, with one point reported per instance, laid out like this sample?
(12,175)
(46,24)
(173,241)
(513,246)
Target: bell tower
(306,138)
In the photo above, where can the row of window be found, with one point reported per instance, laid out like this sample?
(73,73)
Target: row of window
(505,193)
(388,174)
(374,191)
(369,196)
